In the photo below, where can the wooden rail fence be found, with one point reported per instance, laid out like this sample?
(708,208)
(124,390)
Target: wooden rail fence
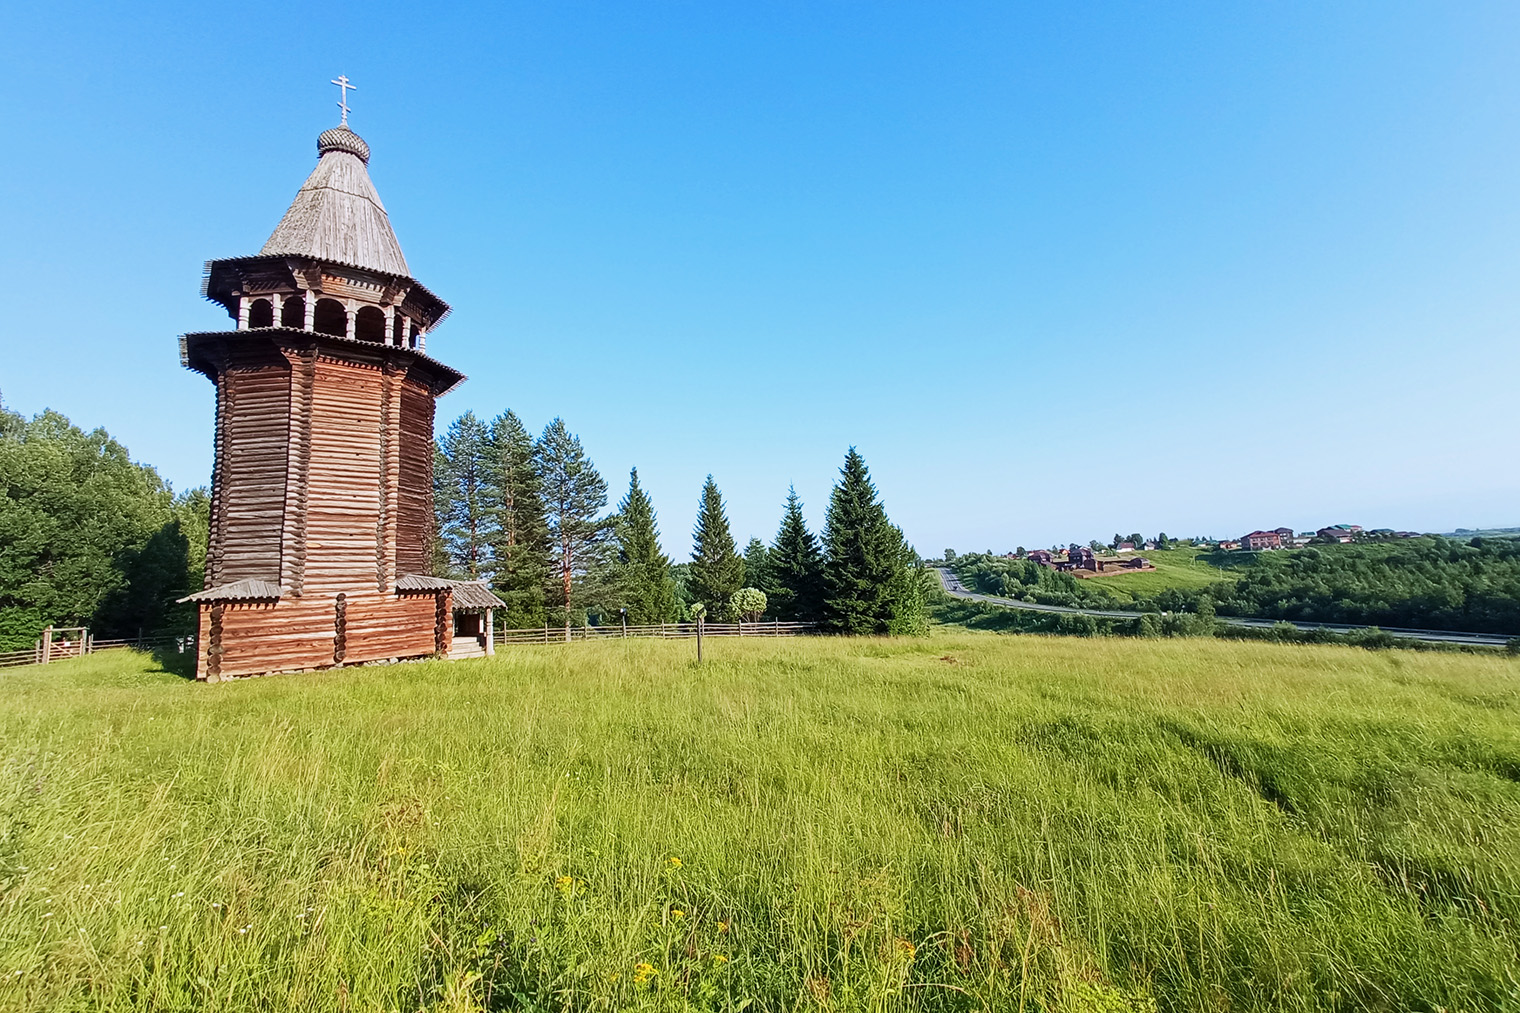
(59,644)
(660,631)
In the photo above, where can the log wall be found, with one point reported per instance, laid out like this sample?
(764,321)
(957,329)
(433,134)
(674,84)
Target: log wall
(258,638)
(344,479)
(251,469)
(414,522)
(324,486)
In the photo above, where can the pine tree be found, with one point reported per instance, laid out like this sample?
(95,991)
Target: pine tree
(460,496)
(794,572)
(717,570)
(756,564)
(644,580)
(519,532)
(574,495)
(873,582)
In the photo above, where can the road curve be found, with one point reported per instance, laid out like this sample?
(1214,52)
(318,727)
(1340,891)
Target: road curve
(953,587)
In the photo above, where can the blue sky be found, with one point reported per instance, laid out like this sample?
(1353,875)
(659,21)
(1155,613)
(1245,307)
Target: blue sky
(1058,271)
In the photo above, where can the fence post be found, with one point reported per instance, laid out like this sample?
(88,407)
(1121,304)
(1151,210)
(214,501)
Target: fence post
(47,644)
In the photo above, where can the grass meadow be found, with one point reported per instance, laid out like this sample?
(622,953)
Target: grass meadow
(963,822)
(1183,567)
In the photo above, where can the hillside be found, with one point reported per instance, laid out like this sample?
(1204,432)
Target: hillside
(963,822)
(1183,568)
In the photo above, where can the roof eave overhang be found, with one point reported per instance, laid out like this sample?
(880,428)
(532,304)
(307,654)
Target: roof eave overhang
(203,351)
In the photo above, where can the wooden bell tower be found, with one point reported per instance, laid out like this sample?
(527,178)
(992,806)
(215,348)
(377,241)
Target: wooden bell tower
(322,492)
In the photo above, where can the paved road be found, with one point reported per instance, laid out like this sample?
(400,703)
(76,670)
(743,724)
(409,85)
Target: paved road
(953,586)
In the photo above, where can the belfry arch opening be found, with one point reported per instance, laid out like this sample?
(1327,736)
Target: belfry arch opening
(330,318)
(369,324)
(293,313)
(261,313)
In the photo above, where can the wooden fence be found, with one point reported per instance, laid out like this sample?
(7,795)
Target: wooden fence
(59,644)
(661,631)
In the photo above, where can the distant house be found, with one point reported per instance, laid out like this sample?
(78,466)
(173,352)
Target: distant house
(1338,532)
(1256,541)
(1229,546)
(1041,556)
(1136,563)
(1083,558)
(1126,546)
(1286,534)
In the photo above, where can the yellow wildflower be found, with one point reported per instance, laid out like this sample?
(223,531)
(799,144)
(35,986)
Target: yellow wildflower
(723,926)
(907,948)
(719,958)
(674,862)
(643,973)
(676,914)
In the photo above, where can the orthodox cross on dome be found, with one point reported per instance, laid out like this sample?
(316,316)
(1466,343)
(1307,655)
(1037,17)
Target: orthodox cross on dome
(342,82)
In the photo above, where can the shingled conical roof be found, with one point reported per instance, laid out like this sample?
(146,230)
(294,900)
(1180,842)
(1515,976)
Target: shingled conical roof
(337,215)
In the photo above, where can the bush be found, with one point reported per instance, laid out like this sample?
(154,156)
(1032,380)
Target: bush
(747,604)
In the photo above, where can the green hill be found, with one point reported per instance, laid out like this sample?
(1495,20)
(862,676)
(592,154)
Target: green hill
(1183,568)
(954,823)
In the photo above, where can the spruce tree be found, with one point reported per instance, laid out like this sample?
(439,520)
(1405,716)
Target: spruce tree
(873,582)
(794,572)
(756,564)
(460,496)
(717,570)
(644,580)
(519,532)
(574,495)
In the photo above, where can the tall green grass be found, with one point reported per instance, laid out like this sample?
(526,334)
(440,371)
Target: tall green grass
(968,822)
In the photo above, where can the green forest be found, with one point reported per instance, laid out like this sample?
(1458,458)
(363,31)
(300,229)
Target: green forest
(89,537)
(1429,582)
(529,516)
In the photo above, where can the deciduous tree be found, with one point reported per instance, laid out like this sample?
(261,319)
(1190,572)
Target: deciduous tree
(88,536)
(747,604)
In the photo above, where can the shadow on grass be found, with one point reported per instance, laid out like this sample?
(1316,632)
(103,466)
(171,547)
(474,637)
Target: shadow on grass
(174,661)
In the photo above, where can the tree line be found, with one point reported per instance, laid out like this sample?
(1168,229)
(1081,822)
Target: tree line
(529,517)
(89,537)
(1428,582)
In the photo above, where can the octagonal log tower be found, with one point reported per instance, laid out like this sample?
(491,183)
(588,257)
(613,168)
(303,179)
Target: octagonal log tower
(322,490)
